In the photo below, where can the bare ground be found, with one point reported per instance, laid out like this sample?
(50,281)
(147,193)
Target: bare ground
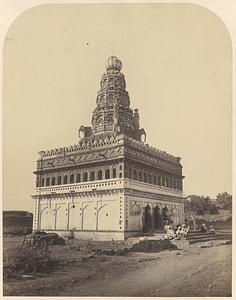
(193,271)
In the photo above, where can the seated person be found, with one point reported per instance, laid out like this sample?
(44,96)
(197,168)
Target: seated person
(212,230)
(184,230)
(203,227)
(166,229)
(179,232)
(170,232)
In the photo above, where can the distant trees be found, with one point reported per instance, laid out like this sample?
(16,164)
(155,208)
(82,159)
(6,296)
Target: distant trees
(200,205)
(224,201)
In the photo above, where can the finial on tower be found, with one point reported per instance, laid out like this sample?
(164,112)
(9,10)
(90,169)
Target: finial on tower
(113,63)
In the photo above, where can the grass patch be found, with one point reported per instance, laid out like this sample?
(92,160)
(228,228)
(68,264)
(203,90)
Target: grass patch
(26,259)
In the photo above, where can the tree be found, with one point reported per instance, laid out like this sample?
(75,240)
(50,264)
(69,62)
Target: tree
(224,201)
(201,205)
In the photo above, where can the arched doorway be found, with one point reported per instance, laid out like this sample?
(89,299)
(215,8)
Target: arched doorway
(158,219)
(166,215)
(147,225)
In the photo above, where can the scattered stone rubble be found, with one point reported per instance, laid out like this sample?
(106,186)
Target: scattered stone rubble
(153,246)
(42,238)
(123,248)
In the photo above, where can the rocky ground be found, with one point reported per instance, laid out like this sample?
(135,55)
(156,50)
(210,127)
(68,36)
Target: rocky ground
(109,269)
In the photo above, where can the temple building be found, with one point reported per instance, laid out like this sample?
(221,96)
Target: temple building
(111,185)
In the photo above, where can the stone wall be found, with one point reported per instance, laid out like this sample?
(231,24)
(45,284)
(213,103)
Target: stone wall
(106,209)
(93,212)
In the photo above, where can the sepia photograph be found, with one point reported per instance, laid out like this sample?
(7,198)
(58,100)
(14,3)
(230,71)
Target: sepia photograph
(117,151)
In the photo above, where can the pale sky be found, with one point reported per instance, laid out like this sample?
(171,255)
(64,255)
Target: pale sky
(177,63)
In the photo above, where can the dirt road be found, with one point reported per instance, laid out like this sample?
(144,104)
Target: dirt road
(193,271)
(198,272)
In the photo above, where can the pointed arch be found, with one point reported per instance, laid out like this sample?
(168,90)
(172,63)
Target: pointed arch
(158,218)
(78,179)
(53,180)
(140,176)
(147,226)
(107,174)
(92,176)
(65,179)
(100,175)
(72,178)
(85,177)
(47,181)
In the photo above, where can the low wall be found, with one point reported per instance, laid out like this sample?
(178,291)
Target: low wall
(96,235)
(129,234)
(99,235)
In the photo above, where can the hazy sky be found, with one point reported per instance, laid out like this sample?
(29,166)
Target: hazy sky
(177,63)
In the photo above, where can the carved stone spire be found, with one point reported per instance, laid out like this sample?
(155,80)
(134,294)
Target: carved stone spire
(113,112)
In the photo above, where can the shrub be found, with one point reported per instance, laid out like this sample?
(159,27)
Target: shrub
(26,259)
(153,246)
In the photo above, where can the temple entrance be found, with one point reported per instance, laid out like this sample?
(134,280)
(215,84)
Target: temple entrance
(158,219)
(147,225)
(166,215)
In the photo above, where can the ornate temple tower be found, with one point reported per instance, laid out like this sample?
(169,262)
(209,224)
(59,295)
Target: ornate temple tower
(111,185)
(113,113)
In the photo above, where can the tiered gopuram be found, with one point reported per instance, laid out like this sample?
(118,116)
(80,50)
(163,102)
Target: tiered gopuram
(111,185)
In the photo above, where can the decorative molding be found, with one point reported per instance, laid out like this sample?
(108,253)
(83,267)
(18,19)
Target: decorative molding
(135,209)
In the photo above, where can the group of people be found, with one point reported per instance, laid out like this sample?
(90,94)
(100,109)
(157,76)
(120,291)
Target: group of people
(177,232)
(205,229)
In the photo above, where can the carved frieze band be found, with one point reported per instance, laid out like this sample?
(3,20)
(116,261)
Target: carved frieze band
(155,196)
(130,192)
(73,162)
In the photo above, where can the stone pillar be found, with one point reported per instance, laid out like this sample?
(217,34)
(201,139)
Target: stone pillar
(111,171)
(143,217)
(152,218)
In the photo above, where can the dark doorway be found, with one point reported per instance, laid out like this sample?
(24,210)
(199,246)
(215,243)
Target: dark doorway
(166,215)
(147,219)
(158,218)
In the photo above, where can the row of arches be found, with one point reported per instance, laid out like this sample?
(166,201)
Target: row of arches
(77,178)
(134,174)
(154,179)
(158,217)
